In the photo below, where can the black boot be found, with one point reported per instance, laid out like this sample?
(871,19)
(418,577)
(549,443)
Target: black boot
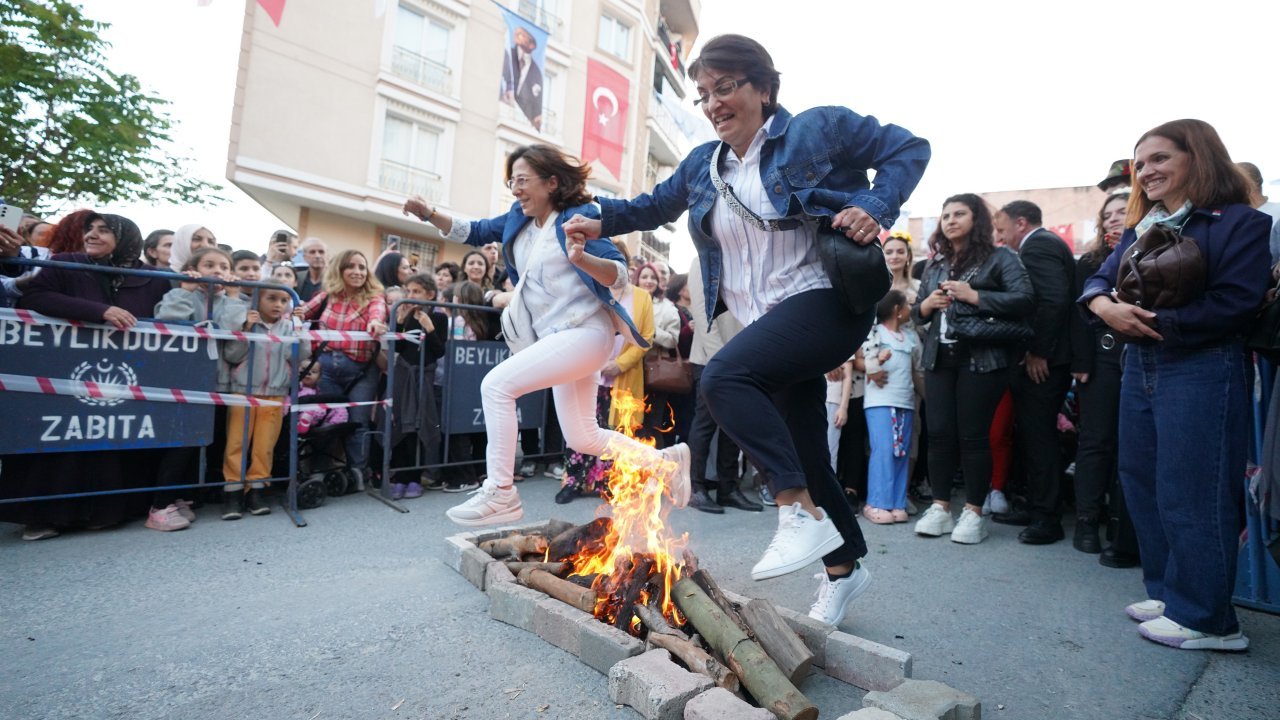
(700,500)
(567,494)
(730,496)
(231,505)
(1086,539)
(255,504)
(1113,558)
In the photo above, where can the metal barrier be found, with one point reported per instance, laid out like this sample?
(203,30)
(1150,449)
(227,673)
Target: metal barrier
(1258,569)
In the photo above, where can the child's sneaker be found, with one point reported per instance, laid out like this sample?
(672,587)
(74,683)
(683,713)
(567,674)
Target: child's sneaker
(166,519)
(490,505)
(184,509)
(413,490)
(397,491)
(231,505)
(255,504)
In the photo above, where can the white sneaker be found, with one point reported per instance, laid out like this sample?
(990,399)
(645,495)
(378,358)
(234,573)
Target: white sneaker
(833,597)
(555,471)
(490,505)
(679,482)
(527,469)
(971,529)
(1167,632)
(801,538)
(1145,610)
(935,522)
(996,502)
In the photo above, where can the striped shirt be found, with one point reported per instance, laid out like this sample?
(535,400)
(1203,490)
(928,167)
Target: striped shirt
(761,269)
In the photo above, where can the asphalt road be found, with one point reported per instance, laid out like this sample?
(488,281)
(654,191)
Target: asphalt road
(355,616)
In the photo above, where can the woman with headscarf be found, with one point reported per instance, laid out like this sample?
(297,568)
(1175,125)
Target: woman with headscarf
(119,300)
(186,241)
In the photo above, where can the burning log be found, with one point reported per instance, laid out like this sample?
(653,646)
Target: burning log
(777,638)
(571,541)
(555,568)
(761,676)
(662,635)
(628,593)
(515,546)
(582,598)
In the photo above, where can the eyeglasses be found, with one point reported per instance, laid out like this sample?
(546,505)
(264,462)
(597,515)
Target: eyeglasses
(722,91)
(520,181)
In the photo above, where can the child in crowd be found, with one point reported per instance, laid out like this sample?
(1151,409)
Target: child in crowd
(245,265)
(839,390)
(891,357)
(285,273)
(196,303)
(265,375)
(416,429)
(316,417)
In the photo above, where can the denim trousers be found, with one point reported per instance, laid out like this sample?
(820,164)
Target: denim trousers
(766,389)
(886,472)
(337,373)
(1184,436)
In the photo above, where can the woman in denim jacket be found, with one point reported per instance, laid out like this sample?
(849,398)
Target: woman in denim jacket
(756,242)
(1184,405)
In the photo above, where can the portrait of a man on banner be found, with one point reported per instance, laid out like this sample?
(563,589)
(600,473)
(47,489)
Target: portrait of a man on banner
(522,64)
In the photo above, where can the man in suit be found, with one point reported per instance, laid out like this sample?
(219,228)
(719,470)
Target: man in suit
(1040,382)
(522,78)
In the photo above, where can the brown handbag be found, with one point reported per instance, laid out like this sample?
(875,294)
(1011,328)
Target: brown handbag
(1162,269)
(665,371)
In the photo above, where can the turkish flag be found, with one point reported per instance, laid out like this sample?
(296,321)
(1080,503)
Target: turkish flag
(274,8)
(1067,233)
(604,128)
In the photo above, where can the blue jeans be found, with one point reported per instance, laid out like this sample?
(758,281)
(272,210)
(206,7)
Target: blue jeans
(1184,434)
(337,371)
(887,474)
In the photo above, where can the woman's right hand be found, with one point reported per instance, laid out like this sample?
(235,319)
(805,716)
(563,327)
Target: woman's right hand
(417,207)
(585,227)
(937,300)
(121,318)
(1125,318)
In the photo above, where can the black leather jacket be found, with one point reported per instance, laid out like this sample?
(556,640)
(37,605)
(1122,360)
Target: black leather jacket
(1004,290)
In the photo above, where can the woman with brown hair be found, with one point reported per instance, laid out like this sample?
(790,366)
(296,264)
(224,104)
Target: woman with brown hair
(562,320)
(1184,405)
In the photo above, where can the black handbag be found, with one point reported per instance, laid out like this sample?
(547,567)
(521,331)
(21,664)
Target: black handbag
(1264,336)
(858,273)
(966,322)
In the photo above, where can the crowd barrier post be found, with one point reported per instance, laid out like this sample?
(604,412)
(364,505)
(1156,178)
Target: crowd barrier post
(1258,574)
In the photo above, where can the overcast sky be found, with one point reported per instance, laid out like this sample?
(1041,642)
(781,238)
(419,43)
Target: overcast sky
(1011,94)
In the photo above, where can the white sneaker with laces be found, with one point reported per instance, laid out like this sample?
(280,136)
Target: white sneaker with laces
(801,538)
(679,482)
(834,597)
(971,529)
(489,505)
(997,502)
(527,469)
(1145,610)
(935,522)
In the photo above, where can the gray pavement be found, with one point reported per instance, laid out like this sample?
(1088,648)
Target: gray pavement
(355,616)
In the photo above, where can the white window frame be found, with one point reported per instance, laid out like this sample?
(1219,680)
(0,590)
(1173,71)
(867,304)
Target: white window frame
(608,31)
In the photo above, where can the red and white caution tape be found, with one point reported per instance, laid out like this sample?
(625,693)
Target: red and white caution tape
(334,406)
(161,328)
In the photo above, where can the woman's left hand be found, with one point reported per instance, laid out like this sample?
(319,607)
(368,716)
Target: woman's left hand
(960,290)
(575,246)
(858,225)
(377,327)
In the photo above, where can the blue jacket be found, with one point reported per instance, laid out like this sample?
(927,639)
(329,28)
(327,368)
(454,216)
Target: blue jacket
(505,228)
(812,164)
(1234,241)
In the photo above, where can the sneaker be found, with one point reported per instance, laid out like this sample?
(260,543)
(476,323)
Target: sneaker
(801,539)
(997,502)
(166,519)
(971,528)
(255,504)
(490,505)
(1145,610)
(935,522)
(555,471)
(432,483)
(877,515)
(899,515)
(32,533)
(527,469)
(467,486)
(413,490)
(397,490)
(833,597)
(231,505)
(679,482)
(184,509)
(766,497)
(1167,632)
(911,508)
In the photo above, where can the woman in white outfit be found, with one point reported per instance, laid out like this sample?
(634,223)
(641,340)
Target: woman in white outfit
(566,293)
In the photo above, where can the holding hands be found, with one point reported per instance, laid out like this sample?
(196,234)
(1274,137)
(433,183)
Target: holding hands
(417,207)
(580,228)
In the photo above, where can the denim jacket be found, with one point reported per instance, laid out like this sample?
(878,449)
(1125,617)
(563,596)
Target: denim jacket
(505,228)
(814,163)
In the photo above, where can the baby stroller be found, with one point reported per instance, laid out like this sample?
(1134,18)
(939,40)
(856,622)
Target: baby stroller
(323,470)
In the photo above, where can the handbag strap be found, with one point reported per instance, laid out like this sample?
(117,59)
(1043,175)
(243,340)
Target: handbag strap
(735,205)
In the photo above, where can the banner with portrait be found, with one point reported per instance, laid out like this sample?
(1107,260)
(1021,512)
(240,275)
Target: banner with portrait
(523,62)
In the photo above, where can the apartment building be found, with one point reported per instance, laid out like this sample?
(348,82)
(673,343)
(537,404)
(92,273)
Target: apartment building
(346,108)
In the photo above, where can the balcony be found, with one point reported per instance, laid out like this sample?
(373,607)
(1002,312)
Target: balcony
(421,70)
(406,180)
(668,142)
(543,19)
(665,39)
(515,116)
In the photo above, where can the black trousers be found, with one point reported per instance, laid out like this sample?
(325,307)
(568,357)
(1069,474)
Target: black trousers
(1036,407)
(1099,428)
(766,389)
(961,404)
(851,453)
(702,432)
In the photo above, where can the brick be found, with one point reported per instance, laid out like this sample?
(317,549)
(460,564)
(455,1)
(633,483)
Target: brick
(474,565)
(869,714)
(812,632)
(602,646)
(453,547)
(720,704)
(557,623)
(866,664)
(496,572)
(655,686)
(925,700)
(513,604)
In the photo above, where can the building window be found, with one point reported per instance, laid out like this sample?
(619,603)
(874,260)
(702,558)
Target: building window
(615,37)
(410,152)
(550,101)
(421,51)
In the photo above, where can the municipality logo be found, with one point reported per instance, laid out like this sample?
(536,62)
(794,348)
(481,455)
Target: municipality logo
(103,373)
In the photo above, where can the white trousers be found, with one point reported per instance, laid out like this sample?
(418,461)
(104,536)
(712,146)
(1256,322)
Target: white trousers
(568,362)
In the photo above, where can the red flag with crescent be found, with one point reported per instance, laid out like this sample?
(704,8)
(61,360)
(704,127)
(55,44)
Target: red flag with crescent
(604,128)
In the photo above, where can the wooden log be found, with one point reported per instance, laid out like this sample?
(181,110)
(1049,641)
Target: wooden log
(558,568)
(515,546)
(569,542)
(777,638)
(555,527)
(582,598)
(662,635)
(709,586)
(759,674)
(690,562)
(629,592)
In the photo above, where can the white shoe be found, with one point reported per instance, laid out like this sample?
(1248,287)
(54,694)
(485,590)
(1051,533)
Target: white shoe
(971,529)
(801,538)
(490,505)
(833,597)
(1167,632)
(996,502)
(935,522)
(679,482)
(1145,610)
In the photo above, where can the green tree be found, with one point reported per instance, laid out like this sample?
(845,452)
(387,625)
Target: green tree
(73,130)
